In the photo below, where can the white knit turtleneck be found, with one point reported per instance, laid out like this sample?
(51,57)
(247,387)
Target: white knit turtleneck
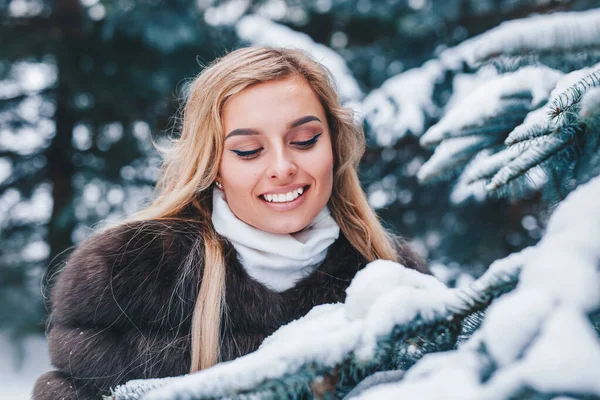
(276,260)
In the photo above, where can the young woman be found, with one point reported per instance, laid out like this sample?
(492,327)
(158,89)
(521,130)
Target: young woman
(259,217)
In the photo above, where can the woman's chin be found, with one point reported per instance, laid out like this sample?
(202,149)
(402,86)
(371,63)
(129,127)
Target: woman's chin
(284,227)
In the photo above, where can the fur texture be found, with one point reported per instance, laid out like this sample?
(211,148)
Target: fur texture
(122,306)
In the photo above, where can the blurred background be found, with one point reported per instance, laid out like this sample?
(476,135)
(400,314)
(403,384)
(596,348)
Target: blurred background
(87,85)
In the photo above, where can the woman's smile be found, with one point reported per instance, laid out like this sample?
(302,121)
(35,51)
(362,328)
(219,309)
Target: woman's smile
(285,201)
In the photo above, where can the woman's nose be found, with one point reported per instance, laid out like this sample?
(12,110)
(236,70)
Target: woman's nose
(282,165)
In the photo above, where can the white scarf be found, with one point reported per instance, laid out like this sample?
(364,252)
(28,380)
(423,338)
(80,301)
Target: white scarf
(277,261)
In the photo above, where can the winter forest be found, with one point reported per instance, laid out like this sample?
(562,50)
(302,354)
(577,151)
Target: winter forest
(482,120)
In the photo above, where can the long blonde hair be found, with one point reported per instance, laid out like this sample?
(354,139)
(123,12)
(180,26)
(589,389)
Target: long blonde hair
(191,165)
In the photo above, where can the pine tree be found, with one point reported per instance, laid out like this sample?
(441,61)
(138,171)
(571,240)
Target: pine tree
(523,118)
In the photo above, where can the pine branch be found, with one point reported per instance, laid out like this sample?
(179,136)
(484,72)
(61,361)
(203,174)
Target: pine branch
(478,172)
(451,154)
(486,167)
(535,125)
(565,104)
(497,105)
(537,34)
(391,114)
(534,155)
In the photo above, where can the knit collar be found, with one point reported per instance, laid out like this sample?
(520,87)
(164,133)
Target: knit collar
(277,261)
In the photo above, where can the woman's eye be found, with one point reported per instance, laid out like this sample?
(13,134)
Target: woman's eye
(247,155)
(308,143)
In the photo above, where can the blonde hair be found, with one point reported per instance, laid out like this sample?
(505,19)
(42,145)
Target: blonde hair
(192,163)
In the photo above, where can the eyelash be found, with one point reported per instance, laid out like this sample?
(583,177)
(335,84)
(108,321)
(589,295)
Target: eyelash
(307,144)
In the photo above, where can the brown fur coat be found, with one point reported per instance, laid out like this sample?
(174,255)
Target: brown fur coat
(122,307)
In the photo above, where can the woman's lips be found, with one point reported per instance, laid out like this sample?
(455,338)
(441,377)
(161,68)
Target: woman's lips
(288,205)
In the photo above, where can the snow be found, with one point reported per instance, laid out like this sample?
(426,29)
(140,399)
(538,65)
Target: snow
(528,159)
(381,297)
(536,123)
(450,153)
(33,77)
(590,103)
(380,277)
(457,140)
(463,84)
(578,82)
(551,32)
(484,165)
(262,31)
(526,309)
(491,98)
(449,383)
(402,104)
(37,208)
(399,306)
(550,366)
(35,251)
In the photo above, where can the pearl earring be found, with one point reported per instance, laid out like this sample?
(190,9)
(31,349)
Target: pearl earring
(219,185)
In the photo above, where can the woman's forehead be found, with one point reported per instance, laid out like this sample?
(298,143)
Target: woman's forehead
(272,104)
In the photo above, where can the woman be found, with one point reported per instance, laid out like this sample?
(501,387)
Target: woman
(259,217)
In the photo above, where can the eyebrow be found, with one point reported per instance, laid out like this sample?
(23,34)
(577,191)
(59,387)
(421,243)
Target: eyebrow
(295,123)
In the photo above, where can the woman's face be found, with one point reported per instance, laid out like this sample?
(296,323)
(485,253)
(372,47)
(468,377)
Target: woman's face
(277,165)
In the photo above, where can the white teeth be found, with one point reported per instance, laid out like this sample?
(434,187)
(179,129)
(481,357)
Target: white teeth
(283,198)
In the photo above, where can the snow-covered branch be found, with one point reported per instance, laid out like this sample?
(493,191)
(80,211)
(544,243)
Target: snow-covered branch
(547,115)
(403,104)
(563,31)
(538,338)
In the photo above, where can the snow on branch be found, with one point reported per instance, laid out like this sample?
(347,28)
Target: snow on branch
(531,157)
(562,31)
(262,31)
(403,104)
(565,102)
(451,154)
(483,118)
(503,100)
(550,129)
(549,138)
(537,339)
(474,178)
(536,124)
